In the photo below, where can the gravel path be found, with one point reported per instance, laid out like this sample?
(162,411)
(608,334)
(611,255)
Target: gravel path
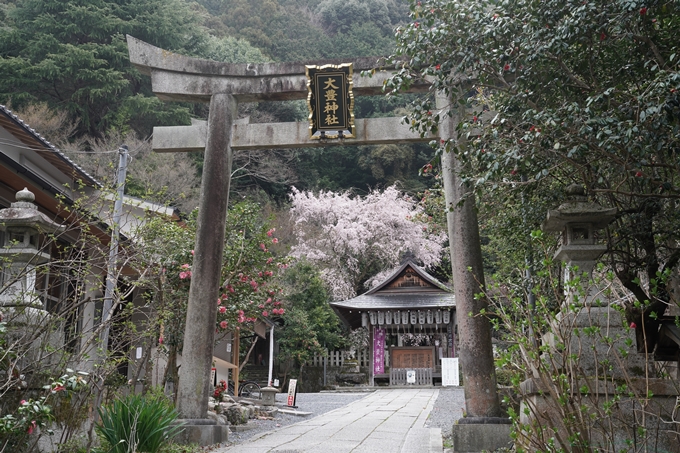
(316,403)
(446,410)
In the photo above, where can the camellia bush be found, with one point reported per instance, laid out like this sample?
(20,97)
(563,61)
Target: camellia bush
(248,285)
(562,92)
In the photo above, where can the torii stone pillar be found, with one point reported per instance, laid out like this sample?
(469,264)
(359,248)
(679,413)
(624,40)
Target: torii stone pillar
(483,429)
(199,336)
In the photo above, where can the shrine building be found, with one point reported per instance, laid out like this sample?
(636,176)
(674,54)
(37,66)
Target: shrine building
(410,319)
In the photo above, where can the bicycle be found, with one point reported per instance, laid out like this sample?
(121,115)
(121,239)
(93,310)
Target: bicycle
(246,389)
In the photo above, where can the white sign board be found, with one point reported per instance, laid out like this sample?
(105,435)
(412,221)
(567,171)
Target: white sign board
(450,372)
(410,376)
(292,388)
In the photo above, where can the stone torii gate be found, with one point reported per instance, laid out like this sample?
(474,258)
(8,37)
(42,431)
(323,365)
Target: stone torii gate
(179,78)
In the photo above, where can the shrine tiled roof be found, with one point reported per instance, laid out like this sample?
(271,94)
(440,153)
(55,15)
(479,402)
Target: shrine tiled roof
(409,287)
(398,301)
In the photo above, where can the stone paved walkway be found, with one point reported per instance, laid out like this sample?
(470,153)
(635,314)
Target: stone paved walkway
(385,421)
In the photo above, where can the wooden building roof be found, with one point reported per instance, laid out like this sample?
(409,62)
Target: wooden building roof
(407,288)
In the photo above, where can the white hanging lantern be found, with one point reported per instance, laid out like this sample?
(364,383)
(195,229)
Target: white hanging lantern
(381,317)
(364,319)
(396,317)
(373,317)
(414,317)
(388,317)
(438,317)
(430,317)
(421,317)
(446,316)
(404,318)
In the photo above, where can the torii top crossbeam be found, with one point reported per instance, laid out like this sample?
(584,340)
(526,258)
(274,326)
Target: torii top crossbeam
(177,77)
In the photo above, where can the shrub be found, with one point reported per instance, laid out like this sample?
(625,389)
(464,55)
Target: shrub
(137,423)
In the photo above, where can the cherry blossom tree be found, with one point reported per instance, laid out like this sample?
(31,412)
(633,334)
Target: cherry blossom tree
(353,238)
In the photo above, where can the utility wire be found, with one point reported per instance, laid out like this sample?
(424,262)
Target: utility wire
(21,145)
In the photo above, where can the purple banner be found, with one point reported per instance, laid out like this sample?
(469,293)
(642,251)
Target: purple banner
(378,351)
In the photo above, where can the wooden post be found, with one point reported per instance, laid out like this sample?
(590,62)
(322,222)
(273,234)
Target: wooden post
(371,374)
(237,351)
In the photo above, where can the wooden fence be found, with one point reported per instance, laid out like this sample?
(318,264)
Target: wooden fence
(338,358)
(423,376)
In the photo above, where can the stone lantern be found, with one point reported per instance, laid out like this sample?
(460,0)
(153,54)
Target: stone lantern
(20,252)
(578,220)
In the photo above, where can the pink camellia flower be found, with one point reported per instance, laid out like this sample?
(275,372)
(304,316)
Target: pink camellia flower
(183,275)
(260,306)
(269,260)
(223,309)
(219,301)
(281,311)
(160,339)
(633,325)
(643,10)
(230,288)
(506,67)
(22,402)
(185,266)
(265,313)
(269,299)
(223,324)
(275,241)
(253,283)
(262,246)
(192,253)
(31,427)
(270,232)
(59,388)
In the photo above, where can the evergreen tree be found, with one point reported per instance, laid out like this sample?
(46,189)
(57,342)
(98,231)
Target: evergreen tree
(73,56)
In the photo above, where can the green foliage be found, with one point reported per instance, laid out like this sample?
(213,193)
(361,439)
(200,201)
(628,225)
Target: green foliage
(311,326)
(232,50)
(582,366)
(137,423)
(73,56)
(17,427)
(583,92)
(247,283)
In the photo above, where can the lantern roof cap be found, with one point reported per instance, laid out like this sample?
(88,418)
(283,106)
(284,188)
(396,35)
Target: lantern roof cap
(24,213)
(577,209)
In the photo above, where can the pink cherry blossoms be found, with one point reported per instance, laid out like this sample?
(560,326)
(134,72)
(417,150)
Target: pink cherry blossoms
(347,234)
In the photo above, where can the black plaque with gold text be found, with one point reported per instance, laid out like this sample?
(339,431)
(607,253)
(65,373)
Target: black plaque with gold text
(330,101)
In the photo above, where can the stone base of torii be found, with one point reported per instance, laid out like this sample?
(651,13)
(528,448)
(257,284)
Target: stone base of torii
(180,78)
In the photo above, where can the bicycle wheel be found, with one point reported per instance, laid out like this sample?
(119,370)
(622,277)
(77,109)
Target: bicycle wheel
(250,390)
